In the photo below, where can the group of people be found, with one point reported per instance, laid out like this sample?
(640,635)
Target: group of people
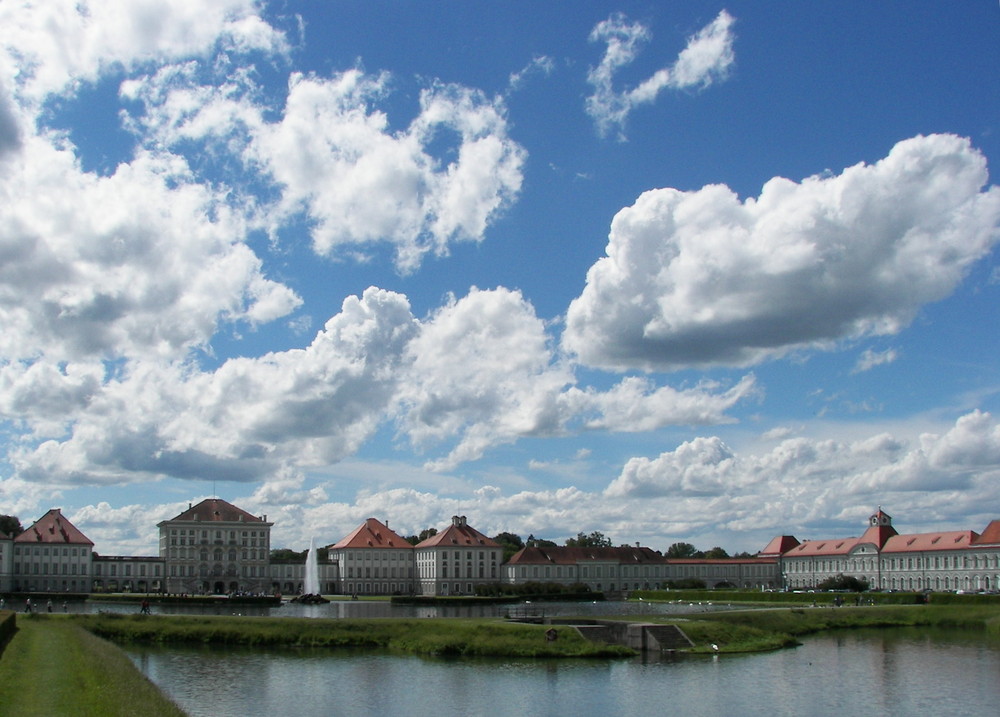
(30,606)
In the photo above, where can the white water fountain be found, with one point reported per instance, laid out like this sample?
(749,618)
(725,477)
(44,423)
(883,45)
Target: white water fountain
(310,584)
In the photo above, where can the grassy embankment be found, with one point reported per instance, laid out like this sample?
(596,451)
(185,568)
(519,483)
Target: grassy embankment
(52,667)
(450,636)
(758,630)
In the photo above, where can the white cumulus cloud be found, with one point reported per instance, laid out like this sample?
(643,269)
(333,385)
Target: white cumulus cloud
(700,278)
(50,46)
(707,58)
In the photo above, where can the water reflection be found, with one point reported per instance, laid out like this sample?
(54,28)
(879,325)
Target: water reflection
(898,671)
(371,608)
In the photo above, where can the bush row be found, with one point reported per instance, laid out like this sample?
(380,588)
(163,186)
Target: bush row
(820,598)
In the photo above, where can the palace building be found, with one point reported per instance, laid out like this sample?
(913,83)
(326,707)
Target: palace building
(50,556)
(215,547)
(887,560)
(457,560)
(373,560)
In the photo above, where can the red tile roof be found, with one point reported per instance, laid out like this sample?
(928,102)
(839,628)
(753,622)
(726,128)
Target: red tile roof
(562,555)
(877,535)
(930,541)
(990,536)
(53,528)
(835,546)
(372,534)
(779,545)
(459,533)
(217,510)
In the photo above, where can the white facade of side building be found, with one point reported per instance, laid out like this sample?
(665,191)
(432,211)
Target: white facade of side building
(457,560)
(128,574)
(887,560)
(623,569)
(50,556)
(373,560)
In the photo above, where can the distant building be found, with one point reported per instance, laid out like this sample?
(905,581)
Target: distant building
(373,560)
(288,577)
(215,547)
(600,569)
(887,560)
(116,573)
(52,555)
(457,560)
(759,573)
(623,569)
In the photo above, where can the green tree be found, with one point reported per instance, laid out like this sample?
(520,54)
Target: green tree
(510,542)
(844,582)
(682,550)
(11,525)
(716,553)
(289,555)
(424,535)
(596,539)
(539,542)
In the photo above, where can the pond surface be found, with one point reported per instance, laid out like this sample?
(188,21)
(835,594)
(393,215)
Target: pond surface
(899,671)
(383,608)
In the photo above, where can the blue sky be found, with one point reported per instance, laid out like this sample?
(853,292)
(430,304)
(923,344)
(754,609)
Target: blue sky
(671,271)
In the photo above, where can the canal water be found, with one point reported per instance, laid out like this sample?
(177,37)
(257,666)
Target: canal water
(383,608)
(898,671)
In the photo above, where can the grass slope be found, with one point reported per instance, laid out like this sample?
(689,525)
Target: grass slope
(53,667)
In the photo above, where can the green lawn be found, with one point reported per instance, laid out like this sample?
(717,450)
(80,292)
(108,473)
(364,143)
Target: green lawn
(53,667)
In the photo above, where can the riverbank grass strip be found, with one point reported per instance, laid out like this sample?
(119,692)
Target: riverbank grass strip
(768,629)
(472,637)
(52,666)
